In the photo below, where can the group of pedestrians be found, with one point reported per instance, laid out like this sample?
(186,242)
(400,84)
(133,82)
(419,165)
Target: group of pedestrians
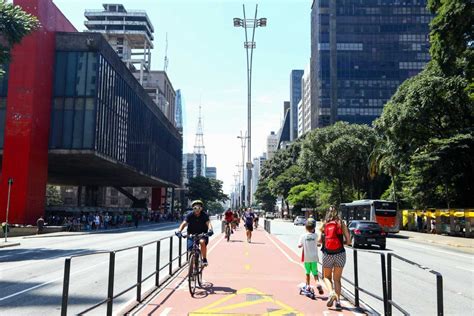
(250,219)
(332,237)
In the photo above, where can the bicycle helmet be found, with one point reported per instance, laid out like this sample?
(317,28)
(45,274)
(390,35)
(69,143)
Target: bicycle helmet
(197,202)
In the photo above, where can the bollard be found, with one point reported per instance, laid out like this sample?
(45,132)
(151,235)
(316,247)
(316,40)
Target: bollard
(139,274)
(171,256)
(67,274)
(439,290)
(157,275)
(356,280)
(110,289)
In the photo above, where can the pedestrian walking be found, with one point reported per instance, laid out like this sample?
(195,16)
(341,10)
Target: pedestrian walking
(309,242)
(39,225)
(249,218)
(136,218)
(334,234)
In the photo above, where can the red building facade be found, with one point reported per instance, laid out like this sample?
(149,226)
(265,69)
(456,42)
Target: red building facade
(25,151)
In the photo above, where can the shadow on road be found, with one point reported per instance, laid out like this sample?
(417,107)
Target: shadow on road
(208,288)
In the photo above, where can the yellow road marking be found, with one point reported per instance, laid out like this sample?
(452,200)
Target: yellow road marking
(214,309)
(247,267)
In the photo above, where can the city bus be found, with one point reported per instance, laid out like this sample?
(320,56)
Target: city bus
(383,212)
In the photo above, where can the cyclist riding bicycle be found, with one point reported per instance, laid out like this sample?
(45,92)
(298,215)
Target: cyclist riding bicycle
(197,222)
(228,219)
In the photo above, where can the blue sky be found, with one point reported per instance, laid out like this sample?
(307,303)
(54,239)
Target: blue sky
(207,62)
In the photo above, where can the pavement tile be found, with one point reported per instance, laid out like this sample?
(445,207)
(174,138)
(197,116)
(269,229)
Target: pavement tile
(260,278)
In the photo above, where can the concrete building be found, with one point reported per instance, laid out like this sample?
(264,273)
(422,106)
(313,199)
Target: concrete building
(306,121)
(257,167)
(361,51)
(194,165)
(295,97)
(211,172)
(272,144)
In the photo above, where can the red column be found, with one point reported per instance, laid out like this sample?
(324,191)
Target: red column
(158,198)
(25,151)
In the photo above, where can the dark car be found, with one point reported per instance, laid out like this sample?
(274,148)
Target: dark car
(367,233)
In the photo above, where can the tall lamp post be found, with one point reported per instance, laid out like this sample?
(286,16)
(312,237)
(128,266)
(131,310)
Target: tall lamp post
(249,45)
(242,141)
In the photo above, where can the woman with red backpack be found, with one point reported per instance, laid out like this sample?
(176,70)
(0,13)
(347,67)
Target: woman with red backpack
(334,234)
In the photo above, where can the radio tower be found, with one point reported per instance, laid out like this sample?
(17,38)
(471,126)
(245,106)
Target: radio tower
(199,143)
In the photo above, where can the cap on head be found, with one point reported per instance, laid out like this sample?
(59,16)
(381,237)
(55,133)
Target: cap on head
(197,202)
(310,223)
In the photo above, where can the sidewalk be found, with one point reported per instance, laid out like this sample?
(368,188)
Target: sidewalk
(462,243)
(261,278)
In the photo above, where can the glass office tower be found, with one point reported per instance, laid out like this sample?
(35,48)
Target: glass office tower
(361,51)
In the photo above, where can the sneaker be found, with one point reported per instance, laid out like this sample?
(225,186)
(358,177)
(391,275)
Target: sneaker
(332,298)
(320,290)
(204,262)
(338,306)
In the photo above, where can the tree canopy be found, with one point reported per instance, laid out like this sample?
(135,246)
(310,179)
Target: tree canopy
(15,24)
(206,189)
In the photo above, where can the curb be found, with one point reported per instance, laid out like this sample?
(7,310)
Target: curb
(94,232)
(9,245)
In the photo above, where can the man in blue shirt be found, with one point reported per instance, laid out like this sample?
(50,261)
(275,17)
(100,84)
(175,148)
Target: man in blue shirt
(249,217)
(197,222)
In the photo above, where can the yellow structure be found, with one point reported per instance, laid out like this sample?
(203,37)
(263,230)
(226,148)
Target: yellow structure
(440,221)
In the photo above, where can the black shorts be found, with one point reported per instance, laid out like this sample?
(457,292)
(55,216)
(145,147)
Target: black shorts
(190,242)
(249,227)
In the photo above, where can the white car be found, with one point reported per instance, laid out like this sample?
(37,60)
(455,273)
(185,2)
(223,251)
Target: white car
(269,215)
(300,220)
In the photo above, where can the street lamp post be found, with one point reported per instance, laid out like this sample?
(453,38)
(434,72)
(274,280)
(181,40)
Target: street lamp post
(242,141)
(249,24)
(10,183)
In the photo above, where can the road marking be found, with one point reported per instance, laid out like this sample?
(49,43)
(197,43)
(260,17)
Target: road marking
(166,311)
(434,249)
(282,251)
(46,283)
(247,267)
(470,270)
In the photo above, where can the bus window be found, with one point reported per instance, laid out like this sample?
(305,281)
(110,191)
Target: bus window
(385,208)
(362,212)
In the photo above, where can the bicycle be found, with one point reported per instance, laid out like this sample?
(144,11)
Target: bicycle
(227,231)
(195,263)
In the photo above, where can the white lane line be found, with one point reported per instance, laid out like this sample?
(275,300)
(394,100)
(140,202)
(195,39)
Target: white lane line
(49,282)
(166,311)
(433,249)
(282,251)
(470,270)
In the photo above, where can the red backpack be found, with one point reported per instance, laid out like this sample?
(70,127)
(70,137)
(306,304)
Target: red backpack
(333,237)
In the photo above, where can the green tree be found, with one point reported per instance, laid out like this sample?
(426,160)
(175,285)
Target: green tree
(264,195)
(452,35)
(205,189)
(214,208)
(15,24)
(339,154)
(304,194)
(53,196)
(281,185)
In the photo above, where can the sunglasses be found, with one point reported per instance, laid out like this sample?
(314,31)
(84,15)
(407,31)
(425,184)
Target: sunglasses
(196,207)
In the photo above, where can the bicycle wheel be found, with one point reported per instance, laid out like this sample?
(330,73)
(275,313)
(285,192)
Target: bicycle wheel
(199,269)
(192,275)
(227,233)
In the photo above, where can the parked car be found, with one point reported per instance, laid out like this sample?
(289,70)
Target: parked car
(367,233)
(269,215)
(300,220)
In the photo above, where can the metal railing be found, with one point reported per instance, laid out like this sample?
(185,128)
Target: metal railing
(358,289)
(140,279)
(439,286)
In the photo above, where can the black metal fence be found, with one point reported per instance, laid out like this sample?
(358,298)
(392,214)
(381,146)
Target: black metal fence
(439,286)
(140,296)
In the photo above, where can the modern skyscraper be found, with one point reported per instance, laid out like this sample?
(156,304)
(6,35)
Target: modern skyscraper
(211,172)
(306,120)
(361,51)
(295,97)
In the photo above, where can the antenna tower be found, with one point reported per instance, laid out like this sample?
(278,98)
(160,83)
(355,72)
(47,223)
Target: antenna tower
(165,67)
(199,143)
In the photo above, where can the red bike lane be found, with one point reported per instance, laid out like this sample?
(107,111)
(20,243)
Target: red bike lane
(258,278)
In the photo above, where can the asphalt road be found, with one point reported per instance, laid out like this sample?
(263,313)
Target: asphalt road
(413,288)
(31,274)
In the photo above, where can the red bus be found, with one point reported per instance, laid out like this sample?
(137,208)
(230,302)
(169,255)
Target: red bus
(383,212)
